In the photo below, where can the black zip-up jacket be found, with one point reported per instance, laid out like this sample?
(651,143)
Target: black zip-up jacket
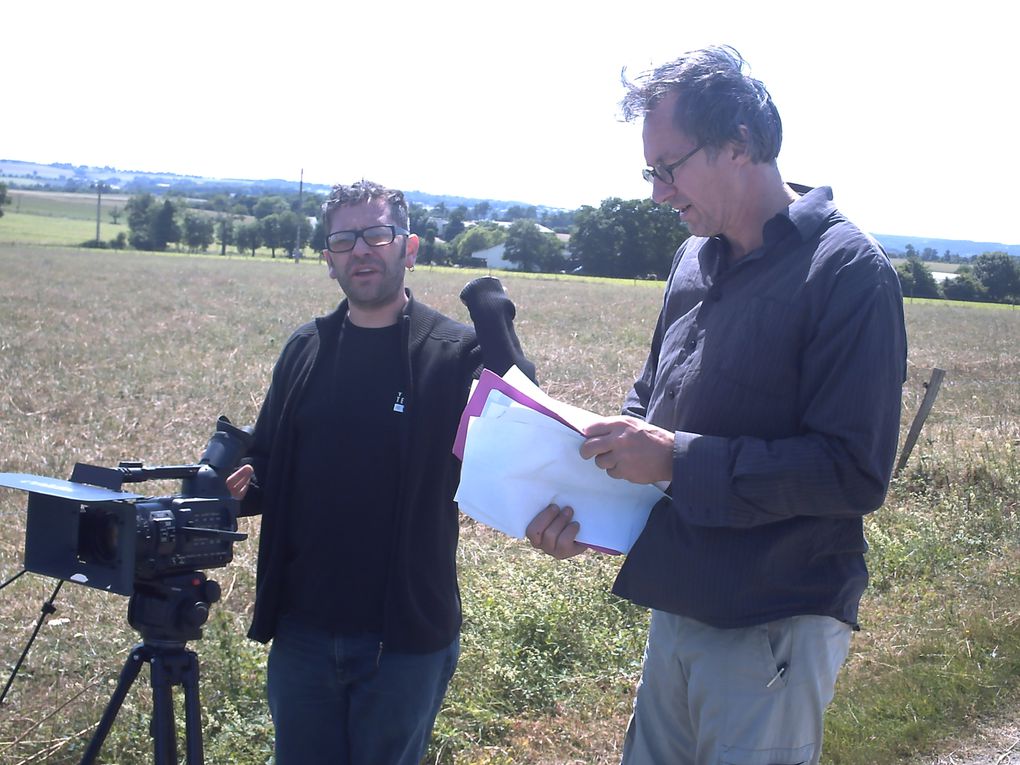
(422,609)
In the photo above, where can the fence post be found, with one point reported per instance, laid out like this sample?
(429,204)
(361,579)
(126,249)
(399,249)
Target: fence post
(927,403)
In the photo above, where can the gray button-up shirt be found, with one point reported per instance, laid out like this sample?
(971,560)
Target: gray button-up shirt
(781,376)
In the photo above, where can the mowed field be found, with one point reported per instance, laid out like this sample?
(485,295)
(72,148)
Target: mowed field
(108,356)
(53,218)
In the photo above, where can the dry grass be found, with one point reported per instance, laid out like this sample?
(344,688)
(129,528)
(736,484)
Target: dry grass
(109,356)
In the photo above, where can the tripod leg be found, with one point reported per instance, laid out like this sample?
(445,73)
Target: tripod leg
(139,655)
(192,711)
(164,733)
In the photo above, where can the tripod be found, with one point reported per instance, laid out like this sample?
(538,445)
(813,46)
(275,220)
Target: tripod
(167,612)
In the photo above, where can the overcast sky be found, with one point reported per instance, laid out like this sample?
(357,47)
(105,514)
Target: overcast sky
(907,109)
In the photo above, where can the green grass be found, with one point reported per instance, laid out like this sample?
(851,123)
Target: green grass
(951,268)
(69,220)
(121,355)
(21,228)
(78,206)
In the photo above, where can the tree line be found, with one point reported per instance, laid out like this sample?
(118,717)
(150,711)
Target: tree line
(992,277)
(619,238)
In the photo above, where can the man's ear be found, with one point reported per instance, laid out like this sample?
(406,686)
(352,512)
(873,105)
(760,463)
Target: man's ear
(411,254)
(329,263)
(739,147)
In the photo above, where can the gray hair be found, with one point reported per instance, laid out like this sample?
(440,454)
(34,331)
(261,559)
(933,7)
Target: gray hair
(365,191)
(717,99)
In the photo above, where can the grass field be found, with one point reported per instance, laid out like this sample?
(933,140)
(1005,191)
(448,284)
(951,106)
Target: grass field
(120,355)
(51,218)
(69,219)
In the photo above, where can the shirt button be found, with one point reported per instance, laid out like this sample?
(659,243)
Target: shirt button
(671,393)
(692,344)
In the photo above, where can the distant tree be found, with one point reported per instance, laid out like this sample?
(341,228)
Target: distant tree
(115,214)
(311,205)
(479,237)
(272,234)
(4,199)
(219,203)
(964,286)
(269,205)
(224,232)
(139,208)
(519,212)
(915,278)
(294,230)
(1000,275)
(318,239)
(198,231)
(248,236)
(455,223)
(626,238)
(438,252)
(533,250)
(557,220)
(152,225)
(163,227)
(481,210)
(422,223)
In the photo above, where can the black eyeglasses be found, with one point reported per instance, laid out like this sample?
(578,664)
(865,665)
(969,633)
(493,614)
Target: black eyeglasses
(665,174)
(374,236)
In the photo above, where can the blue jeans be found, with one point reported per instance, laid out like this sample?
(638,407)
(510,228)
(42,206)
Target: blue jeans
(342,700)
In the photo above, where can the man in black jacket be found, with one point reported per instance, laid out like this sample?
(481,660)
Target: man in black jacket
(352,472)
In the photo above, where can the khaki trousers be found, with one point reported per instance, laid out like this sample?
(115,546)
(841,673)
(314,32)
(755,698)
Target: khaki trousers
(746,696)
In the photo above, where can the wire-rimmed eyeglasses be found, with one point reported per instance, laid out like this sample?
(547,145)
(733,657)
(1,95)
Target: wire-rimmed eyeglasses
(665,173)
(374,236)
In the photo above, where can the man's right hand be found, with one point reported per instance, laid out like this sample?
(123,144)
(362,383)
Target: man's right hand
(555,533)
(238,481)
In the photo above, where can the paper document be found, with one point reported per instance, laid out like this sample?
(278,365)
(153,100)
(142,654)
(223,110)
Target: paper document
(520,450)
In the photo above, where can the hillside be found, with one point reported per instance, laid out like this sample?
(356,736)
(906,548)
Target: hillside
(896,245)
(63,176)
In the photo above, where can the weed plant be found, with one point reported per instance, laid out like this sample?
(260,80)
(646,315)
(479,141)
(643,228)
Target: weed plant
(107,356)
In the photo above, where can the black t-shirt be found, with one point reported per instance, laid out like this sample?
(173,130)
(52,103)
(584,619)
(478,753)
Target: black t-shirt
(346,478)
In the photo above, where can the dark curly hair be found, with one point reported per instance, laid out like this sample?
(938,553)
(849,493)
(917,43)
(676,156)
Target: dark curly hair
(365,191)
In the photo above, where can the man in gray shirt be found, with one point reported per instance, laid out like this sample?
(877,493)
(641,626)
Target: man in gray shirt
(770,403)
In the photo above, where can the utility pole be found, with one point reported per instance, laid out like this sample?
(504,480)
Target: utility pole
(301,218)
(99,202)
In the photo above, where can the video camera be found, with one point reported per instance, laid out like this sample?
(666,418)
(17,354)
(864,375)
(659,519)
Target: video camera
(87,530)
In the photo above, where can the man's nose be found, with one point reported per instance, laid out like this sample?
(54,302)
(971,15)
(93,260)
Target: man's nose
(361,247)
(661,191)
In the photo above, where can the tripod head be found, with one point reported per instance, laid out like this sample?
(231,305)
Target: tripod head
(171,610)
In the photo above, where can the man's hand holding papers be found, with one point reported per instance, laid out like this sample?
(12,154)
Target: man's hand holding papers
(629,448)
(522,452)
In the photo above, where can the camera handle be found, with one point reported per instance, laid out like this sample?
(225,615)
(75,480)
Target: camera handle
(169,665)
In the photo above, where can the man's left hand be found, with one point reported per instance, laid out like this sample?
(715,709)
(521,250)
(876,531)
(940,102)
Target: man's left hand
(630,448)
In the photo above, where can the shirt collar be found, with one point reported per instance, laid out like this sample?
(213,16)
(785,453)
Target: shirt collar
(804,216)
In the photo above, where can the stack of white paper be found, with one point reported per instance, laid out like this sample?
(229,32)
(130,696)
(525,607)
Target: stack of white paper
(520,451)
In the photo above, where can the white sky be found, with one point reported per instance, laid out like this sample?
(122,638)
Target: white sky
(909,110)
